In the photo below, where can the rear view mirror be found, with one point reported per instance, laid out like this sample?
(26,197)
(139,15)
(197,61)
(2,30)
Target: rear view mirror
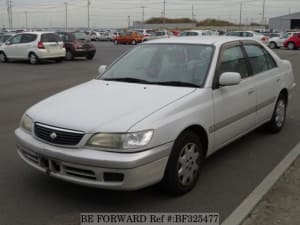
(102,69)
(230,79)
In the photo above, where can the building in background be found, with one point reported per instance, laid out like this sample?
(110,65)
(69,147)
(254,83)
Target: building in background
(286,22)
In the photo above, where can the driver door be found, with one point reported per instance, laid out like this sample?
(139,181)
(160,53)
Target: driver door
(12,49)
(234,106)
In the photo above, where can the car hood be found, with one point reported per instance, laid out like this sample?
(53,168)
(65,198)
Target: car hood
(102,106)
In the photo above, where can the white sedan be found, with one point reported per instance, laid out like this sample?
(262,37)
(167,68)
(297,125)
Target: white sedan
(157,113)
(249,34)
(277,42)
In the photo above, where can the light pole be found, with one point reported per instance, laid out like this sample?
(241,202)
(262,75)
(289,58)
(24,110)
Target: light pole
(66,16)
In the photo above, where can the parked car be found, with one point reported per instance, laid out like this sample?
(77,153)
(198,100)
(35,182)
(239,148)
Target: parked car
(157,113)
(104,36)
(277,42)
(33,46)
(130,37)
(249,34)
(5,36)
(144,32)
(77,44)
(293,42)
(197,33)
(94,35)
(159,35)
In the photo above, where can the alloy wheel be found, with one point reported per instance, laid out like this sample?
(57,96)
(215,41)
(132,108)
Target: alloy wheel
(188,164)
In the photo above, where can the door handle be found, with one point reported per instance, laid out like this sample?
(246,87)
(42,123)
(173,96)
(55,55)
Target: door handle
(251,91)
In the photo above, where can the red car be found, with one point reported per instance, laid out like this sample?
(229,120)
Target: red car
(293,42)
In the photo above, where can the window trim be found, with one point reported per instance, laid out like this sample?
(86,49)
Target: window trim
(249,42)
(215,84)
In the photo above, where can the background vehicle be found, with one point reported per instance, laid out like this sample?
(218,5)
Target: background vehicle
(94,35)
(130,37)
(293,42)
(249,34)
(197,33)
(77,44)
(104,36)
(159,35)
(144,32)
(277,42)
(33,46)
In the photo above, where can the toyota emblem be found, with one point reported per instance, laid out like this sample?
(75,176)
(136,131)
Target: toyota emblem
(53,135)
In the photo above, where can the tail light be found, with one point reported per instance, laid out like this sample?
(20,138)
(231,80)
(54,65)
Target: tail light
(41,45)
(264,39)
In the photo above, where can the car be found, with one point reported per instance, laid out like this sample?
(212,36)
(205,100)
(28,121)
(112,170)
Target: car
(248,34)
(157,113)
(5,36)
(34,47)
(94,35)
(277,42)
(144,32)
(293,42)
(130,37)
(197,33)
(77,44)
(159,35)
(104,36)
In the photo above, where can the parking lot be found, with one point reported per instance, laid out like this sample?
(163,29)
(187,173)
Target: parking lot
(28,197)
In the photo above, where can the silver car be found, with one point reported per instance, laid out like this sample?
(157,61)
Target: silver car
(156,113)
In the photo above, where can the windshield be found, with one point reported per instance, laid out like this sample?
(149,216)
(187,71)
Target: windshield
(163,64)
(80,36)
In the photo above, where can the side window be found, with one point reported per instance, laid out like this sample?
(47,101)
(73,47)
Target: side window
(247,34)
(27,38)
(271,62)
(257,58)
(16,39)
(233,60)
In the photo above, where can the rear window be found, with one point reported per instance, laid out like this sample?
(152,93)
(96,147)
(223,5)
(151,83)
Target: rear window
(80,36)
(51,37)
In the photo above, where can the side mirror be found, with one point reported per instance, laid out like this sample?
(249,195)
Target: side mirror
(102,69)
(230,79)
(7,43)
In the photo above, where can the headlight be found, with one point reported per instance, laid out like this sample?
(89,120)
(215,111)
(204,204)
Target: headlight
(121,141)
(26,123)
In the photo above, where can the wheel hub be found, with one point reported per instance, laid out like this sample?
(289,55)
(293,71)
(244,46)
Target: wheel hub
(188,164)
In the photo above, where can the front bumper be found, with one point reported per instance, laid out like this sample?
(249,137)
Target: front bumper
(92,167)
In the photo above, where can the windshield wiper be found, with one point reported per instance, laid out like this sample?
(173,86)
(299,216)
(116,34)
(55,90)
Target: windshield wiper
(127,79)
(177,83)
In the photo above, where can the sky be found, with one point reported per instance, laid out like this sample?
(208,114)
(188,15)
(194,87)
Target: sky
(114,13)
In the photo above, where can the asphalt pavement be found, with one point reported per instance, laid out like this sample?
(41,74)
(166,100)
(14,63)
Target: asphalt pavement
(28,197)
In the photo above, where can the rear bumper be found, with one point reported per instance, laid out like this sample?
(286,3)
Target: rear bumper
(45,54)
(83,52)
(90,167)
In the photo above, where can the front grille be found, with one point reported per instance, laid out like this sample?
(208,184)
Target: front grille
(57,135)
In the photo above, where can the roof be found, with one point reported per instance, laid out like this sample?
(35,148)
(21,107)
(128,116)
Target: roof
(295,15)
(206,40)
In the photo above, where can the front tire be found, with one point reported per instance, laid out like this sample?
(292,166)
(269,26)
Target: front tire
(133,42)
(3,57)
(184,165)
(278,118)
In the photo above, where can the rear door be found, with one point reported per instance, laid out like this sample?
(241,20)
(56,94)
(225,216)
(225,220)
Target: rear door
(52,43)
(234,106)
(267,78)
